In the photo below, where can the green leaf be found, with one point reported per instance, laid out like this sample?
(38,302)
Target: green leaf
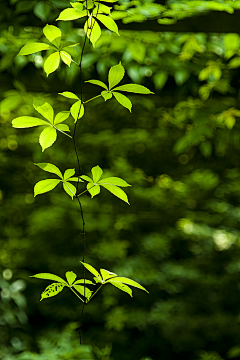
(117,192)
(62,127)
(87,178)
(71,14)
(115,75)
(106,95)
(61,116)
(122,287)
(96,173)
(77,179)
(98,82)
(77,110)
(47,276)
(83,290)
(123,100)
(93,189)
(50,168)
(68,173)
(127,281)
(83,281)
(77,6)
(47,137)
(52,290)
(69,188)
(135,88)
(92,29)
(44,186)
(108,22)
(66,57)
(32,48)
(107,274)
(27,121)
(113,181)
(69,95)
(45,109)
(100,8)
(52,63)
(92,270)
(53,34)
(70,276)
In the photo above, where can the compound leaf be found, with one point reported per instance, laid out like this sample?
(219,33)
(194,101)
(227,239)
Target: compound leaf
(27,121)
(96,173)
(52,63)
(83,290)
(47,276)
(68,173)
(92,29)
(107,274)
(66,57)
(106,95)
(127,281)
(113,181)
(61,116)
(92,270)
(98,82)
(70,276)
(115,75)
(52,290)
(117,192)
(123,100)
(77,110)
(47,137)
(45,109)
(69,188)
(53,34)
(93,189)
(69,95)
(44,186)
(108,22)
(33,47)
(50,168)
(135,88)
(122,287)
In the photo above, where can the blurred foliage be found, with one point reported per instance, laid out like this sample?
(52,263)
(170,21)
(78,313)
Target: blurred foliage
(180,238)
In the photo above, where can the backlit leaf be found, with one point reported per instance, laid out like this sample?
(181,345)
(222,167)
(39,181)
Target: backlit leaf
(87,178)
(98,82)
(135,88)
(127,281)
(122,287)
(113,181)
(69,95)
(83,290)
(53,34)
(115,75)
(77,6)
(70,276)
(47,137)
(70,189)
(52,290)
(33,47)
(61,116)
(106,95)
(77,110)
(117,192)
(44,186)
(47,276)
(107,274)
(96,173)
(66,57)
(50,168)
(93,189)
(45,109)
(74,178)
(71,14)
(83,281)
(92,270)
(68,173)
(27,121)
(123,100)
(62,127)
(92,29)
(52,63)
(108,22)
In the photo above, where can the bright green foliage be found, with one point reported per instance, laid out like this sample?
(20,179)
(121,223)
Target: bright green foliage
(44,186)
(49,135)
(111,184)
(115,75)
(77,109)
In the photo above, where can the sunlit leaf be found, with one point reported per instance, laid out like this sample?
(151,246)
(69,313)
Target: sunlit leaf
(71,14)
(98,82)
(69,95)
(27,121)
(77,179)
(50,168)
(52,63)
(113,181)
(68,173)
(45,109)
(92,29)
(61,116)
(96,173)
(77,110)
(83,290)
(127,281)
(47,137)
(47,276)
(52,290)
(122,287)
(108,22)
(69,188)
(93,189)
(62,127)
(115,75)
(66,57)
(33,47)
(44,186)
(77,6)
(107,274)
(123,100)
(70,276)
(53,34)
(135,88)
(83,281)
(87,178)
(106,95)
(117,192)
(92,270)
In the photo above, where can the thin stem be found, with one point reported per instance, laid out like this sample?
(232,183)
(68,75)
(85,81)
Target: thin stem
(83,192)
(95,292)
(77,294)
(62,132)
(95,97)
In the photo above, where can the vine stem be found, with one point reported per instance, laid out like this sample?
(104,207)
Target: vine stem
(77,294)
(95,292)
(95,97)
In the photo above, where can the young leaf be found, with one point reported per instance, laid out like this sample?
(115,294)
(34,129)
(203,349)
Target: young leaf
(127,281)
(115,75)
(69,188)
(98,82)
(113,181)
(123,100)
(96,173)
(93,189)
(83,290)
(135,88)
(52,63)
(71,14)
(92,29)
(53,34)
(92,270)
(78,6)
(68,173)
(52,290)
(66,57)
(83,281)
(122,287)
(107,274)
(47,137)
(70,276)
(77,110)
(47,276)
(44,186)
(45,109)
(50,168)
(62,127)
(69,95)
(61,116)
(109,23)
(87,178)
(117,192)
(106,95)
(27,121)
(32,48)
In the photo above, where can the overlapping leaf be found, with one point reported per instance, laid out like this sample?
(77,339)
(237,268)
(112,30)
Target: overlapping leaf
(77,109)
(111,184)
(44,186)
(49,134)
(115,75)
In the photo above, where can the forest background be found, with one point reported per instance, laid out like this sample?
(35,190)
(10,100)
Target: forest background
(180,150)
